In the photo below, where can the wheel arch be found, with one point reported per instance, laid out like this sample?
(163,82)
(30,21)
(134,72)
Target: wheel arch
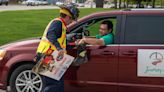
(16,65)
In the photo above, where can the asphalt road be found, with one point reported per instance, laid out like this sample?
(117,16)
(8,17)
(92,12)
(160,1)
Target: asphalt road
(24,7)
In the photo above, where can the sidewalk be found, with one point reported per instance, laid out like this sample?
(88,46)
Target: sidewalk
(24,7)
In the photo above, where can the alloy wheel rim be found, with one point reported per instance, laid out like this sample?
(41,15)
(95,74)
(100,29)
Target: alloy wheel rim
(27,81)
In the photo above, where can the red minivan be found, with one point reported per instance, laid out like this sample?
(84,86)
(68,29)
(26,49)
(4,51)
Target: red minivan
(134,63)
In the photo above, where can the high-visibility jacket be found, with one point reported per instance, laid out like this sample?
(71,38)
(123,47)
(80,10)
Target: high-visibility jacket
(45,44)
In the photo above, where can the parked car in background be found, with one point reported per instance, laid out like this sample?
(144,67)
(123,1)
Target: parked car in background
(75,4)
(133,63)
(43,2)
(59,3)
(35,2)
(90,4)
(6,2)
(30,2)
(81,4)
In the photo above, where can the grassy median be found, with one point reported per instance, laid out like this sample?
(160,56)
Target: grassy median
(16,25)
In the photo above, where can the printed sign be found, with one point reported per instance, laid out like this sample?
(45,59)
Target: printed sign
(52,66)
(150,63)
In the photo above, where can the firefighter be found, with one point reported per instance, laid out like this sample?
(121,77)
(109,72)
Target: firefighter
(54,38)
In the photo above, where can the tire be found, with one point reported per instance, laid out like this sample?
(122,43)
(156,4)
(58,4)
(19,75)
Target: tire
(20,81)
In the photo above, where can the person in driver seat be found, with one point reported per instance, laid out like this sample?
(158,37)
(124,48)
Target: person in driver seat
(105,36)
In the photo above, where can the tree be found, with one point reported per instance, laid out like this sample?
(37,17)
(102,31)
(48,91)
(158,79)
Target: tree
(80,1)
(139,3)
(115,4)
(127,3)
(153,3)
(99,3)
(162,3)
(120,4)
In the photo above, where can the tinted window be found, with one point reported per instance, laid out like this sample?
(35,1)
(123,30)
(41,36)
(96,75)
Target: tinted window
(144,30)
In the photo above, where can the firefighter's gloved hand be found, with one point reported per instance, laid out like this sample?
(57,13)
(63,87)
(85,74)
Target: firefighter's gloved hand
(38,57)
(61,53)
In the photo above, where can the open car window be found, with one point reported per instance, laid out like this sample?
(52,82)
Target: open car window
(90,28)
(94,29)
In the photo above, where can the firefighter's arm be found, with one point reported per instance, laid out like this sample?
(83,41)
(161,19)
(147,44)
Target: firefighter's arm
(55,32)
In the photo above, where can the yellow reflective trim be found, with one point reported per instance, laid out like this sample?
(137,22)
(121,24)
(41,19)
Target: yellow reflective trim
(44,44)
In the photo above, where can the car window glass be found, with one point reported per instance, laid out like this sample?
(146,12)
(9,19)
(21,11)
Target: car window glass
(144,30)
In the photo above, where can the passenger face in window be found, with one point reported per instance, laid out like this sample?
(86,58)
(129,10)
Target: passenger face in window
(103,30)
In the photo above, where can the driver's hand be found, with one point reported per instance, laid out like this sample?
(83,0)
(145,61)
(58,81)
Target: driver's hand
(77,41)
(81,41)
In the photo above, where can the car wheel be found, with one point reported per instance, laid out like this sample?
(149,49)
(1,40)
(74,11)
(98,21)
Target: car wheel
(24,80)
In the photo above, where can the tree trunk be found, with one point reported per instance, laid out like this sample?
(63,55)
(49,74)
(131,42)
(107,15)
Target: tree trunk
(139,3)
(120,4)
(153,1)
(161,3)
(147,3)
(115,2)
(99,3)
(127,4)
(124,4)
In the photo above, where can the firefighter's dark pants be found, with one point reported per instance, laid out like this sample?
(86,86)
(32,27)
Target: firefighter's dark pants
(51,85)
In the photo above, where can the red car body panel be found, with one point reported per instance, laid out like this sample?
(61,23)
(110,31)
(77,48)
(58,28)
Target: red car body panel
(128,66)
(28,48)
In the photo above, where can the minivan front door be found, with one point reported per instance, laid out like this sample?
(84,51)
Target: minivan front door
(102,68)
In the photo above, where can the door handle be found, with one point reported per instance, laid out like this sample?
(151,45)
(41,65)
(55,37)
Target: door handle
(107,53)
(129,53)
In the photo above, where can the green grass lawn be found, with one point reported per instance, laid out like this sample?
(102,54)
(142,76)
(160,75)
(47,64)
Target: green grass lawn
(16,25)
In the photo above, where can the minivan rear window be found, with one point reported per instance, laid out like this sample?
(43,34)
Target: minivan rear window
(144,30)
